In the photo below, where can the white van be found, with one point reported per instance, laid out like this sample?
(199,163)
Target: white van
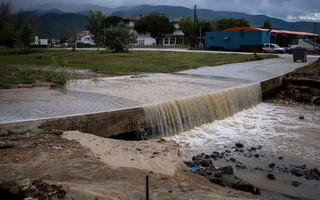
(272,48)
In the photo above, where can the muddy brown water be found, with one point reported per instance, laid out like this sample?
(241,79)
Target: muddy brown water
(280,132)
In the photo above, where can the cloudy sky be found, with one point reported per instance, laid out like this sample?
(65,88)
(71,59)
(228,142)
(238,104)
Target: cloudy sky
(289,10)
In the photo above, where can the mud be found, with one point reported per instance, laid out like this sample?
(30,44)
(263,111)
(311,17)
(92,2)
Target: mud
(60,165)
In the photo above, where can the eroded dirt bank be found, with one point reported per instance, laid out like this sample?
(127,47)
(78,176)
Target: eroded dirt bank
(47,165)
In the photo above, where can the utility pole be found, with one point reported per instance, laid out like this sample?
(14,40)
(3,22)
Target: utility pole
(195,23)
(314,37)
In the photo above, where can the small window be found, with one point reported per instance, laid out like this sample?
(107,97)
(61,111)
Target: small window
(211,38)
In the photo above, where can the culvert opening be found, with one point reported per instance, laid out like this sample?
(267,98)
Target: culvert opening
(141,134)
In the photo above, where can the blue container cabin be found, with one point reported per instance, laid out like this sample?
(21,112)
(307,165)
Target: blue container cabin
(242,40)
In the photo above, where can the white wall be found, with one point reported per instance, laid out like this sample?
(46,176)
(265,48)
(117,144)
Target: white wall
(145,40)
(305,44)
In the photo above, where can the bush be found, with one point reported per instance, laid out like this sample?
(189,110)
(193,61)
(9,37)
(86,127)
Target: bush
(117,38)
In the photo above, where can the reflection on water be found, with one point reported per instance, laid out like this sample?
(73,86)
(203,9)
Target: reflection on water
(275,127)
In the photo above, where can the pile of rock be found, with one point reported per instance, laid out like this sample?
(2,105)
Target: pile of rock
(301,89)
(30,190)
(223,176)
(204,165)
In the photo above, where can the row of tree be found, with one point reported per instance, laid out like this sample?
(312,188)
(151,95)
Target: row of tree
(192,30)
(157,25)
(21,34)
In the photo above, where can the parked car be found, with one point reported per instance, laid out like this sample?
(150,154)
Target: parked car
(272,48)
(293,47)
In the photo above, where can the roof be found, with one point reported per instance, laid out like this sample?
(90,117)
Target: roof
(81,36)
(272,31)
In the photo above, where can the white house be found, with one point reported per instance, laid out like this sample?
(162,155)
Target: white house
(44,42)
(146,39)
(85,37)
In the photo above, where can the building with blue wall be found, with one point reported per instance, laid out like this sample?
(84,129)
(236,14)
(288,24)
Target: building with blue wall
(241,40)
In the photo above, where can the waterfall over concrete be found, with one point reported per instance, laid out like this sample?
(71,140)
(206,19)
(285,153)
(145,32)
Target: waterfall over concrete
(173,117)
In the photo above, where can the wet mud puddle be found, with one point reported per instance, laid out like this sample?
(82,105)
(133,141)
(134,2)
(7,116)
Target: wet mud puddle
(270,149)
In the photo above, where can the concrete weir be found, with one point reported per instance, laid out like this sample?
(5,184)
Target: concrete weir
(110,123)
(117,105)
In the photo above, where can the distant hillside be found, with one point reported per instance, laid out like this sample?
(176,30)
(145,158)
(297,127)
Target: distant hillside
(54,24)
(54,20)
(72,8)
(255,20)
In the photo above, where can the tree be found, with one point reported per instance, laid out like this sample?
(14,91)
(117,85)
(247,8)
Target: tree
(186,25)
(117,38)
(7,32)
(5,10)
(156,25)
(73,36)
(112,21)
(8,36)
(266,25)
(226,23)
(20,20)
(27,35)
(96,25)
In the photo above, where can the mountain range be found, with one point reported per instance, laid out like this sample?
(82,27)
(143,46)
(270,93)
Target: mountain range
(55,19)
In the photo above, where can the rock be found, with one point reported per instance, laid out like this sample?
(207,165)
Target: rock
(253,149)
(247,187)
(233,159)
(205,162)
(228,170)
(217,181)
(280,158)
(215,155)
(189,164)
(206,171)
(24,184)
(296,183)
(314,173)
(241,166)
(227,151)
(239,145)
(199,157)
(272,165)
(296,172)
(303,166)
(217,174)
(57,132)
(6,145)
(271,177)
(256,155)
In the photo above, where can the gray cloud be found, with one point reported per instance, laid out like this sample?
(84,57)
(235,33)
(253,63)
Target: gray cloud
(284,9)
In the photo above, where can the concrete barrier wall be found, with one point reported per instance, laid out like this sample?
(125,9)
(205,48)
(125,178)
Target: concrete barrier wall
(106,124)
(101,124)
(270,85)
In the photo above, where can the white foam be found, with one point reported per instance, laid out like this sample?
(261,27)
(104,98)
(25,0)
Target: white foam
(277,128)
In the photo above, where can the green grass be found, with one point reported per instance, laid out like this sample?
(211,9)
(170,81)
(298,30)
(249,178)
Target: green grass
(124,63)
(312,69)
(24,66)
(14,76)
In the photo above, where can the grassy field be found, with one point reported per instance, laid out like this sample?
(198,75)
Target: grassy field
(310,70)
(15,62)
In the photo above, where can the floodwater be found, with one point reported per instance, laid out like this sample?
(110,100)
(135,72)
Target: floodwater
(275,127)
(279,130)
